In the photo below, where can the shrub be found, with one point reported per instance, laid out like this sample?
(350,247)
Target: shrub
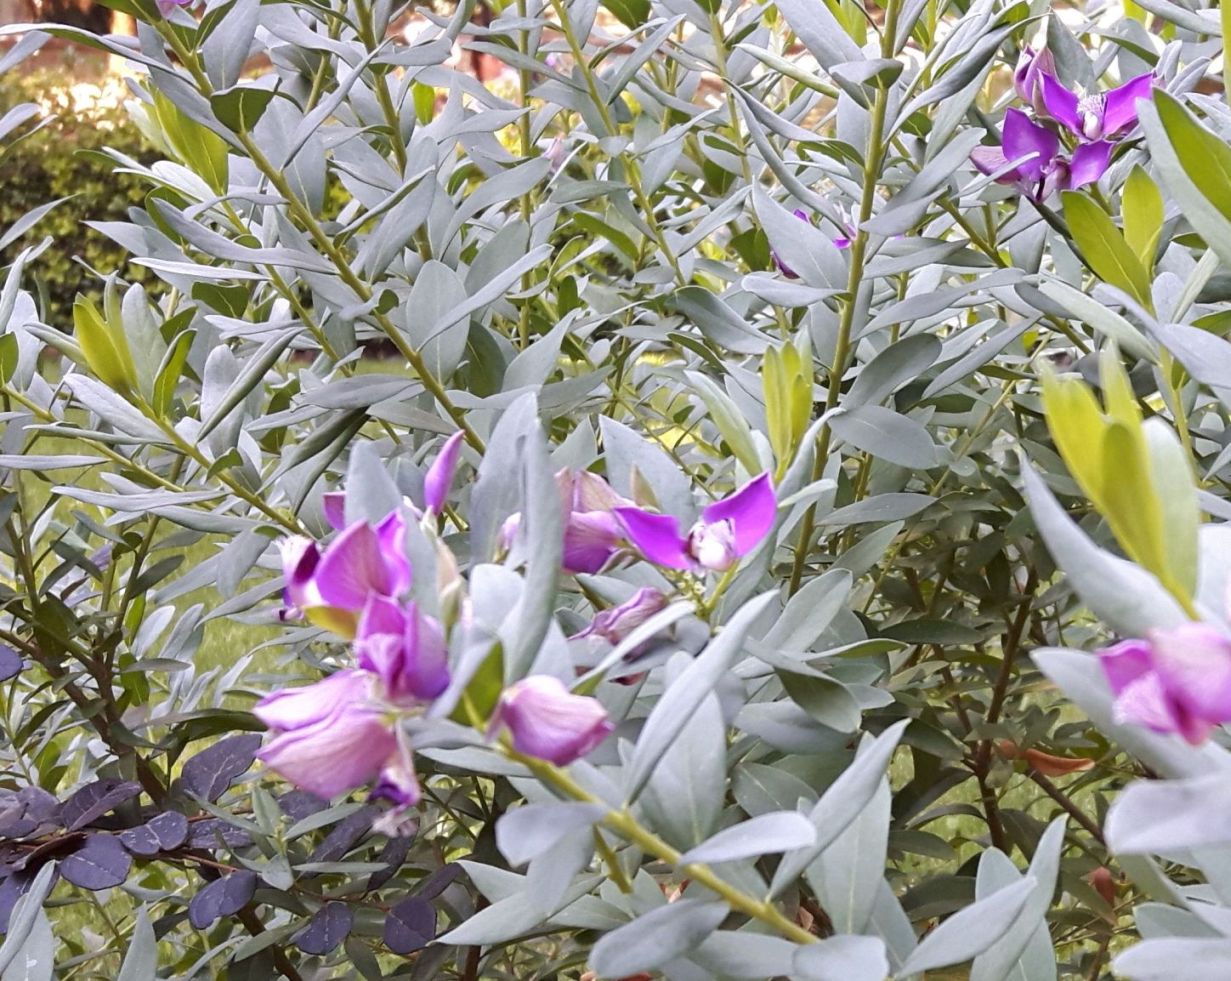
(63,162)
(785,405)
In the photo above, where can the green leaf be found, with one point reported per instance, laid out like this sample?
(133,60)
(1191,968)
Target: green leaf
(1173,481)
(1130,502)
(631,13)
(1076,424)
(112,364)
(1142,207)
(1104,247)
(1206,159)
(199,149)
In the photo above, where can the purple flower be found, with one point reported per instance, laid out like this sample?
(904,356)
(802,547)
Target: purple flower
(333,586)
(166,6)
(436,484)
(1032,66)
(615,624)
(546,720)
(404,648)
(329,737)
(728,530)
(439,476)
(1178,681)
(592,535)
(1099,116)
(1039,168)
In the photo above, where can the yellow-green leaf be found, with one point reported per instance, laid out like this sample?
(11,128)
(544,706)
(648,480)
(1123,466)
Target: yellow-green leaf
(1130,501)
(1103,246)
(1205,158)
(1076,425)
(1172,477)
(110,364)
(1142,205)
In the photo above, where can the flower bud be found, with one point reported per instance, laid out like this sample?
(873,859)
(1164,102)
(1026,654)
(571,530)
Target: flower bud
(546,720)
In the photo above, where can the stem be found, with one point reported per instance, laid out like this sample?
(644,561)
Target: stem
(631,830)
(854,282)
(328,248)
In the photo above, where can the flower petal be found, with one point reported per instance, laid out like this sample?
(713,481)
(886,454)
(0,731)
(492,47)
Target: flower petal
(333,504)
(293,708)
(1090,162)
(440,474)
(656,537)
(1023,138)
(1143,702)
(548,721)
(392,535)
(1061,104)
(615,624)
(352,567)
(591,538)
(339,753)
(751,511)
(590,492)
(989,159)
(1193,661)
(425,670)
(1125,662)
(1120,112)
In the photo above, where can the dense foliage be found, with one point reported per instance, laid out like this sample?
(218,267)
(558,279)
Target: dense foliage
(743,497)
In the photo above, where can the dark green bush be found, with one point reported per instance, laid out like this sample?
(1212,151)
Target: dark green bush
(62,160)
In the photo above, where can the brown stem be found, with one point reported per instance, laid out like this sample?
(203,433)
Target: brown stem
(1066,802)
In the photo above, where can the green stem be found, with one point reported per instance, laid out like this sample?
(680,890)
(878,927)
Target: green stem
(854,282)
(624,824)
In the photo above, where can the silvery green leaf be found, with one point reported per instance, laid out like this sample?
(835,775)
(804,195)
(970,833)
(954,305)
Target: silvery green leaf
(820,32)
(892,368)
(625,450)
(371,493)
(887,435)
(1158,960)
(848,958)
(1123,594)
(846,877)
(509,917)
(882,507)
(531,830)
(35,961)
(777,831)
(673,710)
(809,612)
(1169,816)
(800,245)
(494,496)
(25,917)
(141,959)
(842,803)
(656,937)
(112,409)
(225,51)
(1100,317)
(972,930)
(632,63)
(744,954)
(1017,954)
(436,333)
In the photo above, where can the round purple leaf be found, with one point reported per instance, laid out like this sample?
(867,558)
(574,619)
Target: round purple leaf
(100,863)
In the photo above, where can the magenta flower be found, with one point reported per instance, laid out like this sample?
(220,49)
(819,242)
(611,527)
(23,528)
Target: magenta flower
(439,476)
(1032,66)
(332,587)
(545,720)
(728,530)
(1099,116)
(615,624)
(1039,168)
(592,535)
(436,484)
(329,737)
(166,6)
(1177,681)
(402,647)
